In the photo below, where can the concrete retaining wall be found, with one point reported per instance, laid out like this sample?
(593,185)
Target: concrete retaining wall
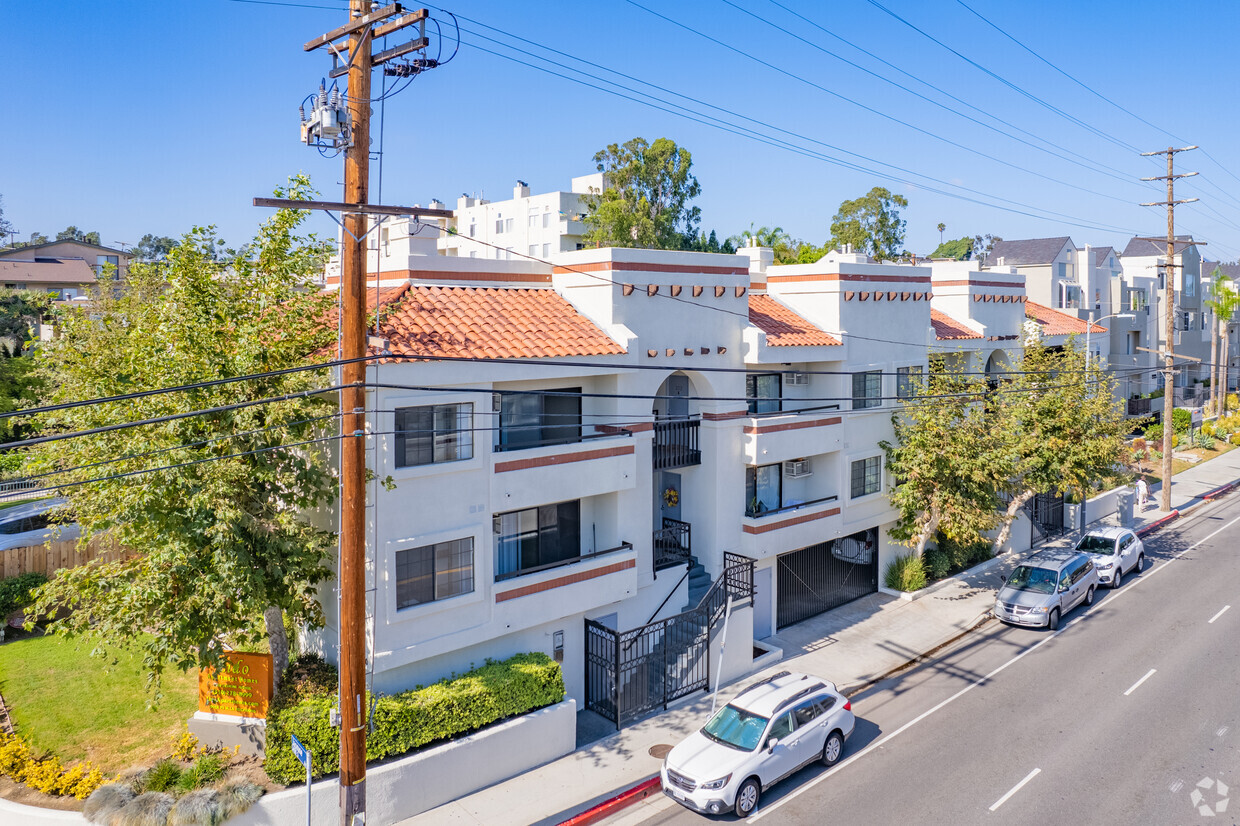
(402,788)
(430,778)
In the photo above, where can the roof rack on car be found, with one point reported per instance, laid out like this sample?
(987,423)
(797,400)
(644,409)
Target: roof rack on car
(790,700)
(769,679)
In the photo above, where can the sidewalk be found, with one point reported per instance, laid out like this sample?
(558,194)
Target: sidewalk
(852,645)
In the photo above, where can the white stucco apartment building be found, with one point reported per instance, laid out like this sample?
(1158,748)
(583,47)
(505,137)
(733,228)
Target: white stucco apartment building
(580,448)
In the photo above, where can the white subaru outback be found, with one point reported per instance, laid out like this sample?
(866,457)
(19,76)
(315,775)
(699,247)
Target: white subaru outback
(773,728)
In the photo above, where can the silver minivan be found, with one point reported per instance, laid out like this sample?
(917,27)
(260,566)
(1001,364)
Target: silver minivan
(1046,586)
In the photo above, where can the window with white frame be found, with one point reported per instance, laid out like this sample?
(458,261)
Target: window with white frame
(533,250)
(867,389)
(546,250)
(507,225)
(867,476)
(547,218)
(499,226)
(434,572)
(434,433)
(907,381)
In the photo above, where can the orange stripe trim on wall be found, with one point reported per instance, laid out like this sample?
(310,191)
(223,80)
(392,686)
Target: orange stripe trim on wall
(757,529)
(583,576)
(562,458)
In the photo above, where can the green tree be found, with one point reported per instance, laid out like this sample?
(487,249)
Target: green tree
(1061,423)
(959,249)
(871,224)
(1224,303)
(646,195)
(20,310)
(37,238)
(945,462)
(983,245)
(72,233)
(154,247)
(219,520)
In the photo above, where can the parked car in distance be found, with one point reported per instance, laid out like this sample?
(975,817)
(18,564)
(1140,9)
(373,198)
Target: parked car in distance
(1045,587)
(773,728)
(1116,552)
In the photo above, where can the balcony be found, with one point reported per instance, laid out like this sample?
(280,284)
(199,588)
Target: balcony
(676,444)
(557,473)
(795,525)
(1139,407)
(776,437)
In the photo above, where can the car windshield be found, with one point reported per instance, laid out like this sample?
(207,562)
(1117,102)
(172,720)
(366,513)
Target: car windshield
(1038,580)
(736,727)
(1094,544)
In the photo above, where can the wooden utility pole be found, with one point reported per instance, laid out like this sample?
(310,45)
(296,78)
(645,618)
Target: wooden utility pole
(1169,313)
(363,27)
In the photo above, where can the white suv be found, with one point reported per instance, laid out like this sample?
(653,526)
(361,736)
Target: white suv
(772,729)
(1116,551)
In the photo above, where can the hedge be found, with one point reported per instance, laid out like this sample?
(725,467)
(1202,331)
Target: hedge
(15,592)
(409,720)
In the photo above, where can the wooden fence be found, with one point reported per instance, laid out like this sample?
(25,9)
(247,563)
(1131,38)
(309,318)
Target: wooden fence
(48,558)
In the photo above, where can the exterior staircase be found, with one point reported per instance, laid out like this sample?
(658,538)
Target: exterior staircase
(699,582)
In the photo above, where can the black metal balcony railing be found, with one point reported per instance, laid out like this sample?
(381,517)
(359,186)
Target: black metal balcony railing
(676,444)
(1138,407)
(749,512)
(672,544)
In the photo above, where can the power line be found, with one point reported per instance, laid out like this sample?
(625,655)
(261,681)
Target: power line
(822,88)
(1072,119)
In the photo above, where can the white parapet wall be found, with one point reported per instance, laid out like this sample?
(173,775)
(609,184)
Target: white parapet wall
(432,777)
(401,788)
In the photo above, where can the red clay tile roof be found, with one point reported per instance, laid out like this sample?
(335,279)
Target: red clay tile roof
(947,328)
(488,322)
(1056,323)
(783,327)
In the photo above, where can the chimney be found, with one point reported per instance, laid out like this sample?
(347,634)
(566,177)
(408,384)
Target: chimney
(521,190)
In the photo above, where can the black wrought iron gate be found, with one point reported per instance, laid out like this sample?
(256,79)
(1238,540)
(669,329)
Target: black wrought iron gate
(825,576)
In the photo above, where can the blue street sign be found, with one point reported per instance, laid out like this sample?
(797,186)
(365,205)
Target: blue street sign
(300,752)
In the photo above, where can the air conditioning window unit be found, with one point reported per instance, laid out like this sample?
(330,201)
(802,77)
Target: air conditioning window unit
(796,379)
(797,469)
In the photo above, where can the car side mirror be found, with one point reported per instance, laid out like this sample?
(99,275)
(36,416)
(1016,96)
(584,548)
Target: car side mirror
(771,744)
(1062,587)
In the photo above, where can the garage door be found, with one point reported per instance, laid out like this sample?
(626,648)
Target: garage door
(825,576)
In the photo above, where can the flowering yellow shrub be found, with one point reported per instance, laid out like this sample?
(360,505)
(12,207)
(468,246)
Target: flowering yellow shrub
(186,747)
(46,775)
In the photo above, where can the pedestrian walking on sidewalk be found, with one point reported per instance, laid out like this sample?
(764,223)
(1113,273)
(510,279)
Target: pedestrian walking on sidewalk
(1143,493)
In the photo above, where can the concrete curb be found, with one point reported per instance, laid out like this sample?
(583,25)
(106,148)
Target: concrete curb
(1155,525)
(609,807)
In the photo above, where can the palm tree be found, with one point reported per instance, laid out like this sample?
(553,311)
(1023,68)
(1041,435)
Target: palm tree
(942,227)
(1225,302)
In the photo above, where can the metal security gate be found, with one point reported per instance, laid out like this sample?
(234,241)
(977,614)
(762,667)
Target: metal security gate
(825,576)
(632,673)
(1046,514)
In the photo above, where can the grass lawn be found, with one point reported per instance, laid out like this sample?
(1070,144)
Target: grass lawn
(1153,469)
(82,707)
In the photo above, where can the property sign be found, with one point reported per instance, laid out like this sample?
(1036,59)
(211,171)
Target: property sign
(300,752)
(242,687)
(1197,418)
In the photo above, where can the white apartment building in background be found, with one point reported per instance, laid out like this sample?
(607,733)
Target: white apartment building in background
(537,226)
(590,455)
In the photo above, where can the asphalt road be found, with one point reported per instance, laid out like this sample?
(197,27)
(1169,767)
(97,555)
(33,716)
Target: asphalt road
(1115,719)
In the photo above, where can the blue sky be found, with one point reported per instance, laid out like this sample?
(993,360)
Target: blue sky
(135,117)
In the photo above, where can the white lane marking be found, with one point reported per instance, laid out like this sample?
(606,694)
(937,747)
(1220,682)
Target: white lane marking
(1015,789)
(772,806)
(1176,786)
(1216,616)
(1137,684)
(1221,731)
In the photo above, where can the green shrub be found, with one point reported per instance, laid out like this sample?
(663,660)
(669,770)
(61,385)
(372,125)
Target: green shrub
(207,769)
(411,719)
(961,555)
(161,777)
(15,592)
(105,801)
(1181,420)
(906,573)
(1204,441)
(937,563)
(1154,434)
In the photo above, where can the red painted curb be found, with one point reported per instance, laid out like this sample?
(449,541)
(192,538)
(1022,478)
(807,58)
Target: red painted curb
(612,805)
(1153,526)
(1219,491)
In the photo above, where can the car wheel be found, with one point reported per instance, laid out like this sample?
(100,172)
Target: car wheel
(747,797)
(1089,595)
(1052,621)
(832,749)
(1118,579)
(1140,566)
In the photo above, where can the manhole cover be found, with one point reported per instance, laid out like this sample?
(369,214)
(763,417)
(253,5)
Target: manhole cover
(660,751)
